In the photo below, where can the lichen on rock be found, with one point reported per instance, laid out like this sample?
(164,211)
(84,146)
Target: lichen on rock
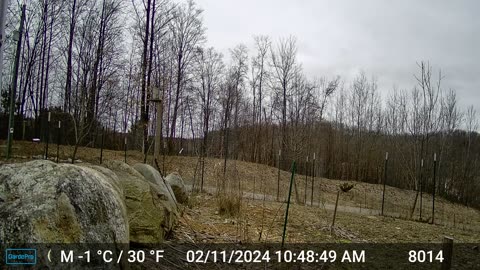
(45,202)
(178,186)
(151,210)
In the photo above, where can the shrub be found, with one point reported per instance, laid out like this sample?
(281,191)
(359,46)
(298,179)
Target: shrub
(229,204)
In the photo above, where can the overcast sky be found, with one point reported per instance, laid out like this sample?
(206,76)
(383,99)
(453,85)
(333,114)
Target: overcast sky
(384,38)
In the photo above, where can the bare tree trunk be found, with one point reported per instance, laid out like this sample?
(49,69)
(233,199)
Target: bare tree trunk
(68,82)
(143,109)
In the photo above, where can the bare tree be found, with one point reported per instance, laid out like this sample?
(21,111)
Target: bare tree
(259,76)
(187,33)
(235,82)
(284,67)
(426,118)
(209,72)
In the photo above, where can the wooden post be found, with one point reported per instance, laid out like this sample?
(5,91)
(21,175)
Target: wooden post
(335,212)
(384,181)
(447,253)
(288,203)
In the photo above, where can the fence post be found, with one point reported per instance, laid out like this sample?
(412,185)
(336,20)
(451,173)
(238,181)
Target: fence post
(278,178)
(253,195)
(313,179)
(101,147)
(306,182)
(23,130)
(58,139)
(384,181)
(421,188)
(434,184)
(125,148)
(48,135)
(288,203)
(447,253)
(335,211)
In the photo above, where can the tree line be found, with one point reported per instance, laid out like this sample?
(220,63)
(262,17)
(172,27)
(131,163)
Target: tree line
(99,64)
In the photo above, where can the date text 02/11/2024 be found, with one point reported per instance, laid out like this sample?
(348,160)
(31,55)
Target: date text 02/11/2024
(285,256)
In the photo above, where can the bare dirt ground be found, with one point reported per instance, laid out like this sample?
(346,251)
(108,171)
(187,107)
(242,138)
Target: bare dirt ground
(261,217)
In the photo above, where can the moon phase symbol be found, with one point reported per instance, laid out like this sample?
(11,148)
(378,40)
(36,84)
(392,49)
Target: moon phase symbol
(48,255)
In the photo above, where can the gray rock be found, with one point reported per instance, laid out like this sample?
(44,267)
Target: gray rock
(69,160)
(153,176)
(45,202)
(110,176)
(178,186)
(151,211)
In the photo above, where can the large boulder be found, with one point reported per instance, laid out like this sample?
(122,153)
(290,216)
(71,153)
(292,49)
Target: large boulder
(45,202)
(154,177)
(175,181)
(151,210)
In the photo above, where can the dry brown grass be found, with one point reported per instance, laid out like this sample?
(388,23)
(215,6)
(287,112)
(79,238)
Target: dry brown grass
(263,220)
(229,204)
(257,178)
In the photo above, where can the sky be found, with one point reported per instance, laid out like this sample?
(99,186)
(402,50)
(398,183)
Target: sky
(383,38)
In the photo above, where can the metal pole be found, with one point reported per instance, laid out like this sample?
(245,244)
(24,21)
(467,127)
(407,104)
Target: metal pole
(278,178)
(253,194)
(434,179)
(288,203)
(306,182)
(421,187)
(335,212)
(164,152)
(101,147)
(14,85)
(48,134)
(58,138)
(125,148)
(313,179)
(384,181)
(23,130)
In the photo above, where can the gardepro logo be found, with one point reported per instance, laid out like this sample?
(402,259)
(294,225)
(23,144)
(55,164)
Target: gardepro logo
(15,256)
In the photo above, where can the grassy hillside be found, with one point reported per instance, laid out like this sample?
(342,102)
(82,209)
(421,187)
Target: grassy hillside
(261,216)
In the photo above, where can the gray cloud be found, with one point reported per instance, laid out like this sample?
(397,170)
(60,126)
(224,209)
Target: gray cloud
(342,37)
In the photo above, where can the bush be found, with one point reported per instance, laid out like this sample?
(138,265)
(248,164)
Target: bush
(229,204)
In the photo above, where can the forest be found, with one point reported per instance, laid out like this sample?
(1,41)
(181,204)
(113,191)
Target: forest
(113,66)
